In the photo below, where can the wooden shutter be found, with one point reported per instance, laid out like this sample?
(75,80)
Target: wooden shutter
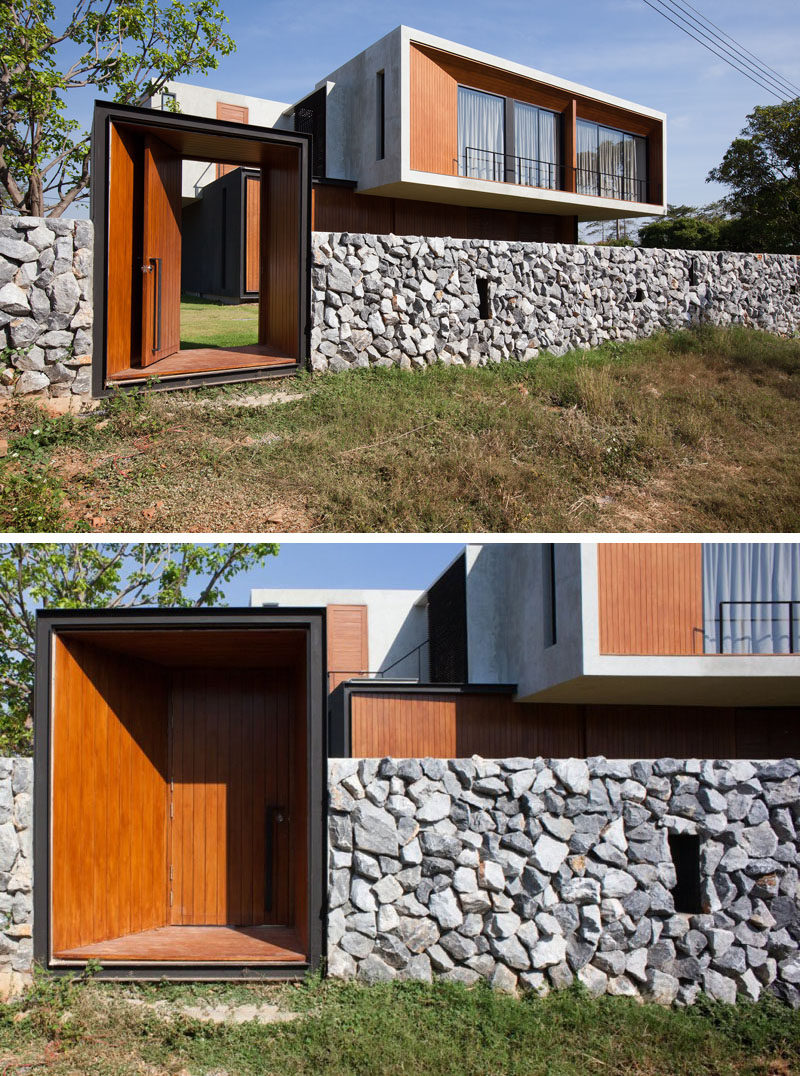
(233,114)
(348,653)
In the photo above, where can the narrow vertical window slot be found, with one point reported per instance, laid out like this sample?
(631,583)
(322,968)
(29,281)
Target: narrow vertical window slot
(685,851)
(484,306)
(380,108)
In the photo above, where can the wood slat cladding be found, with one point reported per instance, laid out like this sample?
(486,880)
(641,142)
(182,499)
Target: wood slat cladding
(109,809)
(348,643)
(124,303)
(341,209)
(232,759)
(232,114)
(252,231)
(161,252)
(279,297)
(434,115)
(435,77)
(650,598)
(419,725)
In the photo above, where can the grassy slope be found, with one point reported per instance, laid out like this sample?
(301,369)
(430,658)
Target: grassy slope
(208,324)
(406,1029)
(691,432)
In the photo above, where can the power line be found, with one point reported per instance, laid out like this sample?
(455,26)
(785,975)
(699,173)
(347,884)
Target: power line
(755,77)
(724,33)
(759,67)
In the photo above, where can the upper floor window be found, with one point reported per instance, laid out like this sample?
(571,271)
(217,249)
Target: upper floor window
(537,147)
(481,134)
(611,163)
(380,112)
(168,100)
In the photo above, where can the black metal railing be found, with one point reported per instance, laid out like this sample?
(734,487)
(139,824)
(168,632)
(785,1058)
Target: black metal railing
(506,168)
(379,674)
(503,167)
(610,185)
(727,625)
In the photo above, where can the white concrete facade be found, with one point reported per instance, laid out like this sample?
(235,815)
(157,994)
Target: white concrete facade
(397,622)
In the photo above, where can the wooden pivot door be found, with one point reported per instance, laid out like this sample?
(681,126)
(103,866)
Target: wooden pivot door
(232,835)
(161,252)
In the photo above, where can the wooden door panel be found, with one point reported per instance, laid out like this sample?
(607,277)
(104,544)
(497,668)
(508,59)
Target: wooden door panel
(252,187)
(231,762)
(348,643)
(161,252)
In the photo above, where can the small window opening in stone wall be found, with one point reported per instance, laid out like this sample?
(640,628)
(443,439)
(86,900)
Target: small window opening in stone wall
(639,296)
(685,851)
(693,273)
(484,308)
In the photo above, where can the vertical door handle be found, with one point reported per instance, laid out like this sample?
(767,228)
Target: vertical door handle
(155,264)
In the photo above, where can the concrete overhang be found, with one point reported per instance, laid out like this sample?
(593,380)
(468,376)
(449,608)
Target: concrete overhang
(485,194)
(707,680)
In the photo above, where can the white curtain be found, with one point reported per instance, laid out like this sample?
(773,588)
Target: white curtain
(635,166)
(587,157)
(549,149)
(526,144)
(740,574)
(480,134)
(609,159)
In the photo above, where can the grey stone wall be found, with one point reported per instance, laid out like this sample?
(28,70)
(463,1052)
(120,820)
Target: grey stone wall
(410,301)
(16,857)
(530,873)
(45,307)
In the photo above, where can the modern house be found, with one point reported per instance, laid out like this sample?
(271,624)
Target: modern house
(414,136)
(420,136)
(181,756)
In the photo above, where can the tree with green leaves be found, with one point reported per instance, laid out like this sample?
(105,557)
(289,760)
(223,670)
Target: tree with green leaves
(109,576)
(762,169)
(124,49)
(686,227)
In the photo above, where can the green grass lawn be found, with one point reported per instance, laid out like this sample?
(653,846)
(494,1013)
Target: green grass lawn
(205,323)
(391,1030)
(695,431)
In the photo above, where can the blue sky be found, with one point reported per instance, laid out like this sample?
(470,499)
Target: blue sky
(618,46)
(347,564)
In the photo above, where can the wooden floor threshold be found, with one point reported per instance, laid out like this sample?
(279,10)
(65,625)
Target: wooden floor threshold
(208,360)
(197,944)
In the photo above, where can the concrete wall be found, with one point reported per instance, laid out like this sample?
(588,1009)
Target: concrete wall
(16,857)
(507,614)
(352,118)
(531,873)
(396,624)
(46,308)
(411,301)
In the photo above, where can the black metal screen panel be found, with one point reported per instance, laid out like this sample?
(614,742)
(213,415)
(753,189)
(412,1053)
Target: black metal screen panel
(309,118)
(447,625)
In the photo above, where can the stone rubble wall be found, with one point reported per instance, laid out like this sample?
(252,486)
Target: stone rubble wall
(531,873)
(45,307)
(412,301)
(16,875)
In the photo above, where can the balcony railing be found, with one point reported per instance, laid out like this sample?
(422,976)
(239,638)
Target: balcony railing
(502,167)
(414,657)
(753,633)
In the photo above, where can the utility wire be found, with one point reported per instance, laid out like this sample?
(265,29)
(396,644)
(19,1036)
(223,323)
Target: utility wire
(759,68)
(724,33)
(743,71)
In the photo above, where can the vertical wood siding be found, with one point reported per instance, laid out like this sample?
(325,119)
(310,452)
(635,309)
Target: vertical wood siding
(494,726)
(231,114)
(650,598)
(124,294)
(279,299)
(232,756)
(434,116)
(348,646)
(252,232)
(109,812)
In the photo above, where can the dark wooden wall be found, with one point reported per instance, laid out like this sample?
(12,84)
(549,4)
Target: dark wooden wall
(109,814)
(650,597)
(341,209)
(456,726)
(279,298)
